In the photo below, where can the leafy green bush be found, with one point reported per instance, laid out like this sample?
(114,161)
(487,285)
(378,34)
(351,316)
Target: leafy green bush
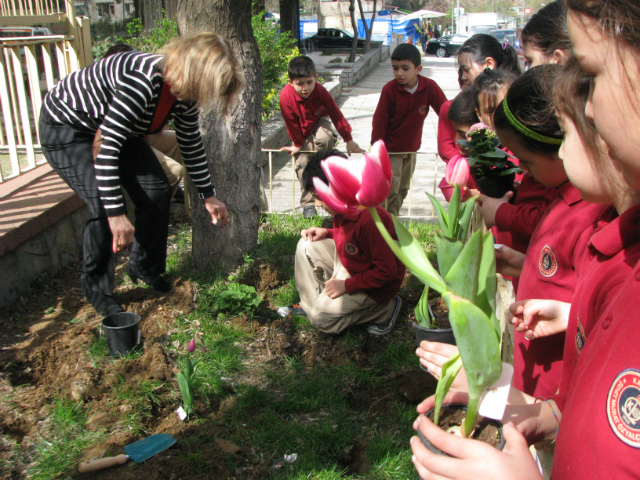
(276,49)
(150,42)
(237,299)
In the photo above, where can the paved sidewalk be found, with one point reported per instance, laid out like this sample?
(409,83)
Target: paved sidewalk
(358,104)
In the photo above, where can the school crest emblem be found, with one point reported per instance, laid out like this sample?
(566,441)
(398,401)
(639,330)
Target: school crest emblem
(581,338)
(548,263)
(623,407)
(423,110)
(351,249)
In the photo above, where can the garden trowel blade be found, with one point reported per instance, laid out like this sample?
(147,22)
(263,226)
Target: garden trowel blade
(147,448)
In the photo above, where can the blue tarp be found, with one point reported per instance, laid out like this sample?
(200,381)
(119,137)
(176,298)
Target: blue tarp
(406,28)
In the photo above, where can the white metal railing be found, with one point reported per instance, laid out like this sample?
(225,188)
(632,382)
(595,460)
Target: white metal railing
(15,8)
(294,179)
(29,68)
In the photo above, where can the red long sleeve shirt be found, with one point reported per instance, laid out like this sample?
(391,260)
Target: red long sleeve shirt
(301,115)
(447,145)
(601,381)
(521,218)
(557,249)
(400,115)
(373,267)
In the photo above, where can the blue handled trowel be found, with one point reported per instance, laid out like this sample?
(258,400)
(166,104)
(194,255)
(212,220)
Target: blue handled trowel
(137,451)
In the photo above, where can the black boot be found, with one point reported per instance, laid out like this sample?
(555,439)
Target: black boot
(158,283)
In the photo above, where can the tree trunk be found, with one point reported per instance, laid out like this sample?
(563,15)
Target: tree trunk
(354,25)
(367,29)
(319,12)
(232,144)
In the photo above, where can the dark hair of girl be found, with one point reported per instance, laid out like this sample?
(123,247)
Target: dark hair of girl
(547,29)
(570,94)
(482,46)
(462,110)
(530,103)
(620,19)
(489,83)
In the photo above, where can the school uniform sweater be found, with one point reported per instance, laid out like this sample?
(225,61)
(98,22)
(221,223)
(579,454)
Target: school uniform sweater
(600,389)
(553,260)
(119,95)
(373,267)
(447,145)
(302,114)
(400,115)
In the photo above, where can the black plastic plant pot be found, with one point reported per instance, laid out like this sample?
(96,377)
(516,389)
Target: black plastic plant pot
(122,332)
(484,426)
(442,335)
(495,186)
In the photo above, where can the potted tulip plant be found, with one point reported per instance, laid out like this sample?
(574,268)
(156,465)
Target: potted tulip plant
(454,229)
(492,167)
(467,281)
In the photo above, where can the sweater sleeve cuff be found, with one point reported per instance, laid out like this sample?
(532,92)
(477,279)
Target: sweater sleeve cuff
(347,138)
(329,233)
(502,216)
(114,212)
(206,192)
(350,286)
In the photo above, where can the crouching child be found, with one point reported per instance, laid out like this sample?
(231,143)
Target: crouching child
(347,275)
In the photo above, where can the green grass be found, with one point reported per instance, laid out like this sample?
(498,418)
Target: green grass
(288,405)
(57,449)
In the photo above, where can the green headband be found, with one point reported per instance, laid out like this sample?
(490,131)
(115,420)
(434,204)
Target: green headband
(527,131)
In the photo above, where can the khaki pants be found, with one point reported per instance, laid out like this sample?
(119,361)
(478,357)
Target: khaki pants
(402,166)
(321,138)
(317,262)
(165,146)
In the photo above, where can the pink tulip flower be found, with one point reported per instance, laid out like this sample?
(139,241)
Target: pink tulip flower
(356,184)
(457,172)
(192,346)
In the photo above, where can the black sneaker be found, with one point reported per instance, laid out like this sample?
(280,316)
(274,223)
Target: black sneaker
(386,327)
(309,211)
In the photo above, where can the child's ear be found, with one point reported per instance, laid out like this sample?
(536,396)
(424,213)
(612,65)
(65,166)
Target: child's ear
(489,62)
(290,81)
(559,57)
(419,69)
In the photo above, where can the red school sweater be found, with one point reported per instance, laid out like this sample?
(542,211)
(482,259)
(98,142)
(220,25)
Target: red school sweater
(302,114)
(373,267)
(447,145)
(599,395)
(556,251)
(400,115)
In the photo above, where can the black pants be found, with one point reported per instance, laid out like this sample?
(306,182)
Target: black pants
(69,152)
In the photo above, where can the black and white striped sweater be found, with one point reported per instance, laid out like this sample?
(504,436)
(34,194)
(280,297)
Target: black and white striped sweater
(119,95)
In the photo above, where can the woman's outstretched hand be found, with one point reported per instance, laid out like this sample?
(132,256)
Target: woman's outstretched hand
(122,232)
(218,211)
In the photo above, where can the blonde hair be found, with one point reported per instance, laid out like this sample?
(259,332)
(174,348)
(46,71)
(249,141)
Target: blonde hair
(204,69)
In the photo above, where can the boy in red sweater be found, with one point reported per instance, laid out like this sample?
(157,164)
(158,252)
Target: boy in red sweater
(347,275)
(305,106)
(399,117)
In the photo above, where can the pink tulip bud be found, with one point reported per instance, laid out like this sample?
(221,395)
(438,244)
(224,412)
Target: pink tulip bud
(192,345)
(458,171)
(356,184)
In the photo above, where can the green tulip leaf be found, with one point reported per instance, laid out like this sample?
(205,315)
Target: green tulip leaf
(479,348)
(447,251)
(487,282)
(423,317)
(462,277)
(185,390)
(441,213)
(465,218)
(454,211)
(450,370)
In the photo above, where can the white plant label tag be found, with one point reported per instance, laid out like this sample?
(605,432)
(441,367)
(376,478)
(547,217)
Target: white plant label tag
(494,399)
(181,414)
(497,246)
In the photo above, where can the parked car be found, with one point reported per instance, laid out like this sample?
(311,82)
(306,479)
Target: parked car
(330,38)
(500,34)
(446,46)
